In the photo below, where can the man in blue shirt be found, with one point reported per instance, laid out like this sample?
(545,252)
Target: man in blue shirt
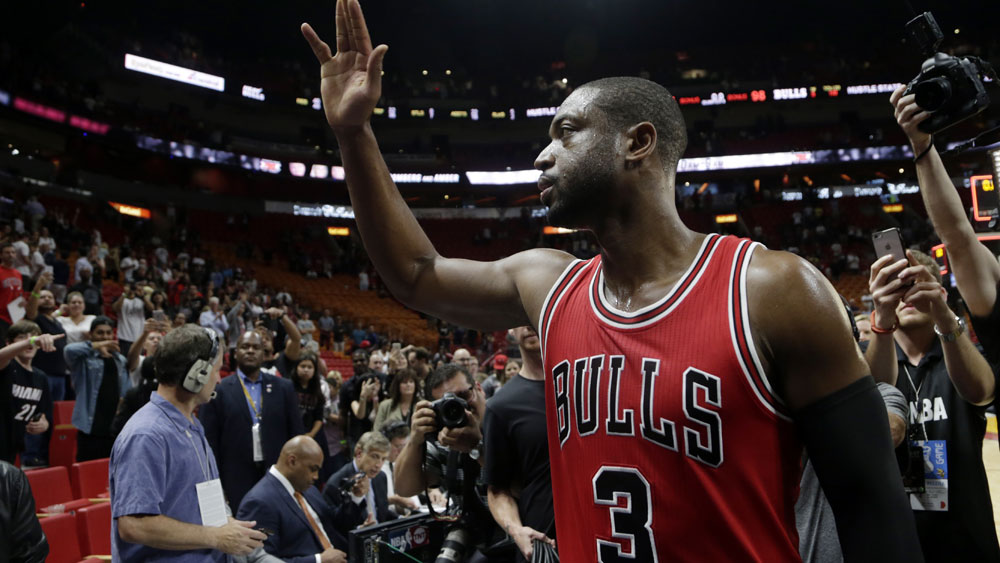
(164,481)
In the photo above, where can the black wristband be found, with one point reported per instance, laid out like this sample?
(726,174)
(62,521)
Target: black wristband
(930,145)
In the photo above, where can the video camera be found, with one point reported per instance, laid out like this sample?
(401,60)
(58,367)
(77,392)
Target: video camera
(950,88)
(449,411)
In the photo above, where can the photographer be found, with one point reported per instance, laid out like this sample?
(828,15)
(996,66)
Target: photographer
(452,461)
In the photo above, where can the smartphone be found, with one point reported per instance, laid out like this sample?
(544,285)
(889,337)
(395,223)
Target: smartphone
(889,242)
(396,346)
(37,416)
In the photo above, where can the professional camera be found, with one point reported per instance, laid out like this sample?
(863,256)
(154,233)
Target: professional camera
(449,411)
(948,87)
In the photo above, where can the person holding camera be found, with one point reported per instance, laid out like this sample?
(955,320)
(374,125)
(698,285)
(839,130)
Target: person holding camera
(361,483)
(166,498)
(445,450)
(923,348)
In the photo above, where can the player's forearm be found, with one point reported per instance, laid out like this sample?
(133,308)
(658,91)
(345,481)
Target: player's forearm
(132,361)
(377,203)
(503,507)
(969,371)
(881,358)
(163,532)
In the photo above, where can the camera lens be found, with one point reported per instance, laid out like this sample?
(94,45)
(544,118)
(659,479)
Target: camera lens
(453,414)
(932,94)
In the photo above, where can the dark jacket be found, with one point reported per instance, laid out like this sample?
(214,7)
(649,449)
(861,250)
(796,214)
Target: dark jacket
(336,497)
(228,423)
(21,537)
(269,504)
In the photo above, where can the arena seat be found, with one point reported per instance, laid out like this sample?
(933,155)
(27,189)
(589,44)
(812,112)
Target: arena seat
(64,545)
(62,412)
(50,487)
(93,524)
(90,478)
(62,446)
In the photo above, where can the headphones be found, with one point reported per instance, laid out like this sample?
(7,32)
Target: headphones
(199,373)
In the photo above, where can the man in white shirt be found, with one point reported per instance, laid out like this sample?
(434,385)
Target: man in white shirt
(214,318)
(131,311)
(301,526)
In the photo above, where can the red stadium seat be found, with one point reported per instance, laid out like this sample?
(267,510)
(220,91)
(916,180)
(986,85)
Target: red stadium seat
(64,546)
(90,478)
(62,412)
(93,524)
(62,447)
(51,488)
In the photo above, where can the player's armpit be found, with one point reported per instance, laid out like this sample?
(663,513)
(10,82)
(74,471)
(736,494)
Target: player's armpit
(801,329)
(486,295)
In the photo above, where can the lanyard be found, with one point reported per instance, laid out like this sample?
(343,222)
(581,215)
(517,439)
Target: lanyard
(253,405)
(916,391)
(205,467)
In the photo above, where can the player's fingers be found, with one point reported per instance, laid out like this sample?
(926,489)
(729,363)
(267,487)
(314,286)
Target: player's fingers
(343,44)
(352,40)
(319,48)
(375,64)
(364,42)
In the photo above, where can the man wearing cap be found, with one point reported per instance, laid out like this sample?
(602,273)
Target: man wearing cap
(496,379)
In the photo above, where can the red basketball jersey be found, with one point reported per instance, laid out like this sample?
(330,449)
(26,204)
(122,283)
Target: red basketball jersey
(665,440)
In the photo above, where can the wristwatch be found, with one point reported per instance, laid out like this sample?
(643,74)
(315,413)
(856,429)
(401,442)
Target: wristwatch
(953,335)
(477,451)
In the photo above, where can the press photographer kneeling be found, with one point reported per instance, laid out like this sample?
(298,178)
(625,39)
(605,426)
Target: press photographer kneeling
(444,451)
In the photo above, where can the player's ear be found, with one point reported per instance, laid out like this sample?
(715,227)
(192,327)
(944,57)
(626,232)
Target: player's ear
(640,143)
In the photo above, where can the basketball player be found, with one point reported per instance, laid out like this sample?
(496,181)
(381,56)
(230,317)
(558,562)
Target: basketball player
(686,370)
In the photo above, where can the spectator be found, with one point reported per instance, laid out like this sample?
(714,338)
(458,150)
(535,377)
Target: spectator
(214,318)
(74,321)
(292,339)
(131,311)
(312,403)
(23,255)
(44,238)
(362,482)
(236,317)
(38,260)
(83,263)
(403,393)
(304,324)
(418,359)
(41,310)
(364,406)
(27,387)
(11,286)
(251,418)
(162,459)
(516,451)
(128,265)
(499,376)
(948,384)
(90,289)
(327,326)
(397,433)
(21,536)
(864,324)
(305,527)
(333,427)
(468,362)
(144,348)
(358,335)
(100,378)
(60,276)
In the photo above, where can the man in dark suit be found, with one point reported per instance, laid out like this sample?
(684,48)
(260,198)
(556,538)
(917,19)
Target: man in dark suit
(250,419)
(362,481)
(302,527)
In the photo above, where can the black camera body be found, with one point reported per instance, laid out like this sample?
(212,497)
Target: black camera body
(449,411)
(950,88)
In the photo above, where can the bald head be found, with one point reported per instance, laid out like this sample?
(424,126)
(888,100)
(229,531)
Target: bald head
(468,362)
(300,461)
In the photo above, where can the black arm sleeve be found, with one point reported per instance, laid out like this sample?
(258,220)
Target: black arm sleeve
(847,437)
(27,541)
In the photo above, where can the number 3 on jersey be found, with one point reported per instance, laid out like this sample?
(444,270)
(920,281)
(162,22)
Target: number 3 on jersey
(630,523)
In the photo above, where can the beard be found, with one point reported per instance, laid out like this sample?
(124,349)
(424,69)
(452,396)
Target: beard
(577,192)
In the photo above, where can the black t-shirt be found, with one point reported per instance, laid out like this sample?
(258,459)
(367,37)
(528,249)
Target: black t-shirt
(107,400)
(966,531)
(52,364)
(311,405)
(28,395)
(517,450)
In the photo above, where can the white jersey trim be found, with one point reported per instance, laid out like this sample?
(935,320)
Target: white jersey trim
(543,332)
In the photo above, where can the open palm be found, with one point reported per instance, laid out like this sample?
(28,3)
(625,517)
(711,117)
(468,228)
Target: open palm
(351,79)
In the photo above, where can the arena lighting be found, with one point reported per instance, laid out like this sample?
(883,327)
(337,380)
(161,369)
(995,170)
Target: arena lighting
(995,158)
(985,201)
(790,93)
(498,114)
(320,171)
(297,169)
(302,101)
(550,230)
(893,208)
(89,125)
(459,113)
(503,178)
(173,72)
(727,218)
(4,97)
(338,231)
(253,92)
(331,211)
(38,110)
(378,111)
(131,210)
(418,113)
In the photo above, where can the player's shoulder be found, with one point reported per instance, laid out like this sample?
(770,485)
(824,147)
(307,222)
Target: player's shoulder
(535,272)
(782,275)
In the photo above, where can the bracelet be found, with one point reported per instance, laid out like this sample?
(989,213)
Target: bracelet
(31,341)
(878,330)
(36,295)
(930,146)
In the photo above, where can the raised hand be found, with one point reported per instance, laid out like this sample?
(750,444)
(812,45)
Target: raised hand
(351,79)
(47,342)
(909,115)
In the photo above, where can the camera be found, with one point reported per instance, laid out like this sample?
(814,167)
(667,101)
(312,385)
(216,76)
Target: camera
(449,411)
(948,87)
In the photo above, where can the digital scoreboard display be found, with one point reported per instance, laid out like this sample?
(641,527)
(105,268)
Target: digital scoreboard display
(985,202)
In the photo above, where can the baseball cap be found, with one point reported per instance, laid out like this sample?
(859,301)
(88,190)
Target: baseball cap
(499,361)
